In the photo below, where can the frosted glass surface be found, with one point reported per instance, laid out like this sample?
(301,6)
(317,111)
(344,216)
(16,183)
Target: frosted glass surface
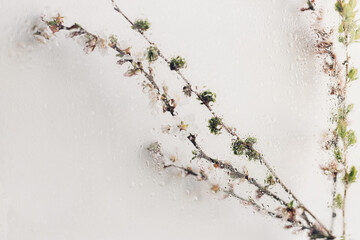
(74,130)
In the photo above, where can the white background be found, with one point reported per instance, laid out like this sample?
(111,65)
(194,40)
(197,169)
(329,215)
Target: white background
(73,130)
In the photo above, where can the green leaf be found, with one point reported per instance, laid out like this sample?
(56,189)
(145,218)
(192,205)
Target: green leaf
(357,34)
(141,25)
(338,7)
(338,154)
(350,177)
(350,137)
(290,205)
(348,11)
(341,128)
(341,39)
(353,74)
(341,28)
(52,23)
(352,174)
(352,4)
(338,201)
(349,108)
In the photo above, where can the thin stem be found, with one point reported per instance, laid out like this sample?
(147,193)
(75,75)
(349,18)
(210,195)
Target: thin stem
(344,212)
(333,207)
(343,103)
(345,193)
(187,171)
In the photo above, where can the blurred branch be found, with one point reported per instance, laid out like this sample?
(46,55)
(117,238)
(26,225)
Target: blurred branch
(137,67)
(226,127)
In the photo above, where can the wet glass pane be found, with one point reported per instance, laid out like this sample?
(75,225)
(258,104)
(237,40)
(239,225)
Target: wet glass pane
(164,119)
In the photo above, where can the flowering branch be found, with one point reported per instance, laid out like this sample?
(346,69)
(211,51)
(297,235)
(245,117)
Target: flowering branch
(216,124)
(340,137)
(252,153)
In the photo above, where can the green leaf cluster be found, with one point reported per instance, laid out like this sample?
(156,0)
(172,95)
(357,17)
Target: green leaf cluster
(348,28)
(238,147)
(350,176)
(338,201)
(207,97)
(349,108)
(152,54)
(177,63)
(290,205)
(154,148)
(250,141)
(341,128)
(141,25)
(342,113)
(245,148)
(52,23)
(270,180)
(353,74)
(113,39)
(350,137)
(252,155)
(338,154)
(215,125)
